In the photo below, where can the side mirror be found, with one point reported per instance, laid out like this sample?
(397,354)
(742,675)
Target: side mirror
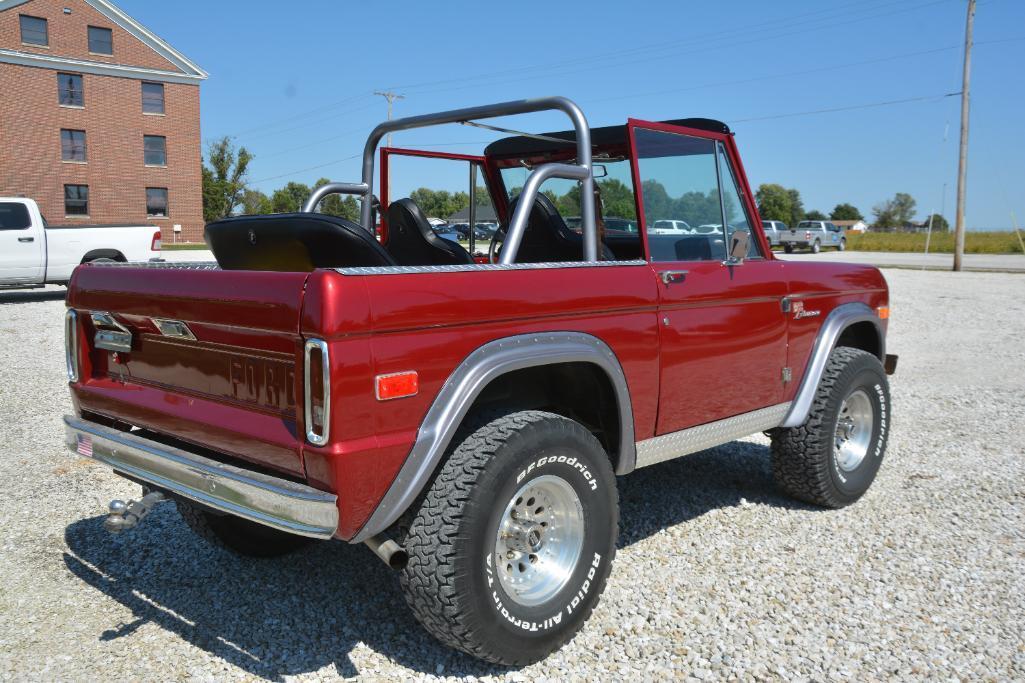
(739,242)
(599,170)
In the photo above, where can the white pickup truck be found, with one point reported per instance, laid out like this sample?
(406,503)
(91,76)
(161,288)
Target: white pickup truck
(33,253)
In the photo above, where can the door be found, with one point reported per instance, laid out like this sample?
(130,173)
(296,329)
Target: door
(722,328)
(21,249)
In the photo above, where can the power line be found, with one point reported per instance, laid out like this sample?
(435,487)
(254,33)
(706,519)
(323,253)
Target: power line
(846,108)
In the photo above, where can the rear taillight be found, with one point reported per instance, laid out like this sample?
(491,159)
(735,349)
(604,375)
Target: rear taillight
(155,244)
(71,344)
(317,389)
(807,235)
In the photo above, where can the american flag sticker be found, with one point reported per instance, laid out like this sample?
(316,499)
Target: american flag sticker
(85,445)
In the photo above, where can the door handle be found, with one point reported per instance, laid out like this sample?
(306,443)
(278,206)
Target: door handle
(673,276)
(26,239)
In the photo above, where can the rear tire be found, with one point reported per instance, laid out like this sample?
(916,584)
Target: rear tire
(238,535)
(832,459)
(816,247)
(486,574)
(788,248)
(842,246)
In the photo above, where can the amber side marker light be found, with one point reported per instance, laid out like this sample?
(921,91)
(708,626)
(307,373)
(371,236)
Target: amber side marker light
(883,312)
(397,385)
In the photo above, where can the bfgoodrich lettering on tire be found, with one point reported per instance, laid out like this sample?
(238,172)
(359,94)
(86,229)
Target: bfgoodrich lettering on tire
(833,458)
(513,542)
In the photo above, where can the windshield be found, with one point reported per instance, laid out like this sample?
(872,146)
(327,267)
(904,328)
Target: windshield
(616,190)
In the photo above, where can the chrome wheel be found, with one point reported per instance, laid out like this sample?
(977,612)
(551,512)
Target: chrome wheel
(539,540)
(853,430)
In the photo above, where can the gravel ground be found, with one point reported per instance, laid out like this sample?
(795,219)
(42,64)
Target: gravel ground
(717,576)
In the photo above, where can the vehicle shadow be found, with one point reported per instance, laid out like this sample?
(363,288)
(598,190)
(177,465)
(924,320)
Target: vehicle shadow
(29,296)
(294,615)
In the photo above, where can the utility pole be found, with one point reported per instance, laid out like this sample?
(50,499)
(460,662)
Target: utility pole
(391,97)
(962,161)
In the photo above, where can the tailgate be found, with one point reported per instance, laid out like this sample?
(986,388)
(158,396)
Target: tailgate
(211,357)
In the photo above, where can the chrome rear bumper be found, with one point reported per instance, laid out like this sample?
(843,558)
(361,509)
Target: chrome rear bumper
(278,503)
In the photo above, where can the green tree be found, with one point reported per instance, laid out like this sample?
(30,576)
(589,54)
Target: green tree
(343,206)
(617,199)
(224,181)
(255,202)
(939,223)
(846,212)
(814,215)
(796,207)
(290,198)
(894,213)
(775,203)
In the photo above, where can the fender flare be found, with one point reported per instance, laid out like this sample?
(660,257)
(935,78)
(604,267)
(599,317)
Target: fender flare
(839,319)
(464,385)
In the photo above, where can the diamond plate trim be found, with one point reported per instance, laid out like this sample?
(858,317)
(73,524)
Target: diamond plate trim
(694,439)
(475,267)
(161,265)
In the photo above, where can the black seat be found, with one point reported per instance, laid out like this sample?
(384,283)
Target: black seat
(412,242)
(293,242)
(547,237)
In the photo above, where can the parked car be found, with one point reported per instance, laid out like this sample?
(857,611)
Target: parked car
(773,231)
(813,235)
(33,253)
(447,232)
(670,227)
(485,231)
(463,229)
(467,421)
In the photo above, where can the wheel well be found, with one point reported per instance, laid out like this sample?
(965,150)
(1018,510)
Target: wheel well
(580,391)
(862,335)
(112,254)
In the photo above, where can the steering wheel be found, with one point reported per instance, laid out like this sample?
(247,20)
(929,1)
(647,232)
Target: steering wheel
(499,236)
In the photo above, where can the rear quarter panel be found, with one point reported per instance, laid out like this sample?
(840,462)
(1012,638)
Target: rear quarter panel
(66,246)
(430,322)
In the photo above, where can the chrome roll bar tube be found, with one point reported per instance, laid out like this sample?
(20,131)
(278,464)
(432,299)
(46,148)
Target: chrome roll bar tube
(517,225)
(358,189)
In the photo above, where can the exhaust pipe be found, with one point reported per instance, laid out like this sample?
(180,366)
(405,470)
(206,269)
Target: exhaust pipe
(390,552)
(124,516)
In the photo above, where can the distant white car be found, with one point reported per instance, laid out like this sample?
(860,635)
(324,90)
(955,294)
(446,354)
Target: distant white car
(670,227)
(33,253)
(774,231)
(814,235)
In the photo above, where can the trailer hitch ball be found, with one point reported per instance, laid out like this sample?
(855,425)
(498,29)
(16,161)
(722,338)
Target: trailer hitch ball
(123,516)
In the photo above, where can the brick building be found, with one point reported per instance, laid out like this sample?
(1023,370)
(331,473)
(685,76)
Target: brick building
(99,118)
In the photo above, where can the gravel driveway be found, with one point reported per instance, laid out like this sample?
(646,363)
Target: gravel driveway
(717,576)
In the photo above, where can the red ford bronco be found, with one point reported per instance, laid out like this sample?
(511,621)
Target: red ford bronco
(466,414)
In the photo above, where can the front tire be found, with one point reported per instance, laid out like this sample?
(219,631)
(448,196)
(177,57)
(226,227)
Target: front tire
(513,543)
(842,246)
(832,459)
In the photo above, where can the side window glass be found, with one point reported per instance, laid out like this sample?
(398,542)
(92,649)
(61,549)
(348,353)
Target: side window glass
(680,196)
(733,204)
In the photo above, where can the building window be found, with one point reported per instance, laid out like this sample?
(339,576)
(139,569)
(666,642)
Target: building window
(153,98)
(101,40)
(69,90)
(154,150)
(33,30)
(76,200)
(156,202)
(72,145)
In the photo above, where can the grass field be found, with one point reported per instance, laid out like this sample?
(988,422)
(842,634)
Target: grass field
(941,242)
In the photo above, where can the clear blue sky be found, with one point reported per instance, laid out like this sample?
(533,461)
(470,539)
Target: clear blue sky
(293,83)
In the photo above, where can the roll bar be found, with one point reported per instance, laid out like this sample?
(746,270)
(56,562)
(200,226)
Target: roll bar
(310,205)
(518,224)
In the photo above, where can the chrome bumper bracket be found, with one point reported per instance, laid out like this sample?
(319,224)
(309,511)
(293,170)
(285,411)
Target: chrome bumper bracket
(278,503)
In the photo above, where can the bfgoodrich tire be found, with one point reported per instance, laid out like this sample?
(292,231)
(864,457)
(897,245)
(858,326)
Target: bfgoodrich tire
(513,542)
(239,535)
(832,459)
